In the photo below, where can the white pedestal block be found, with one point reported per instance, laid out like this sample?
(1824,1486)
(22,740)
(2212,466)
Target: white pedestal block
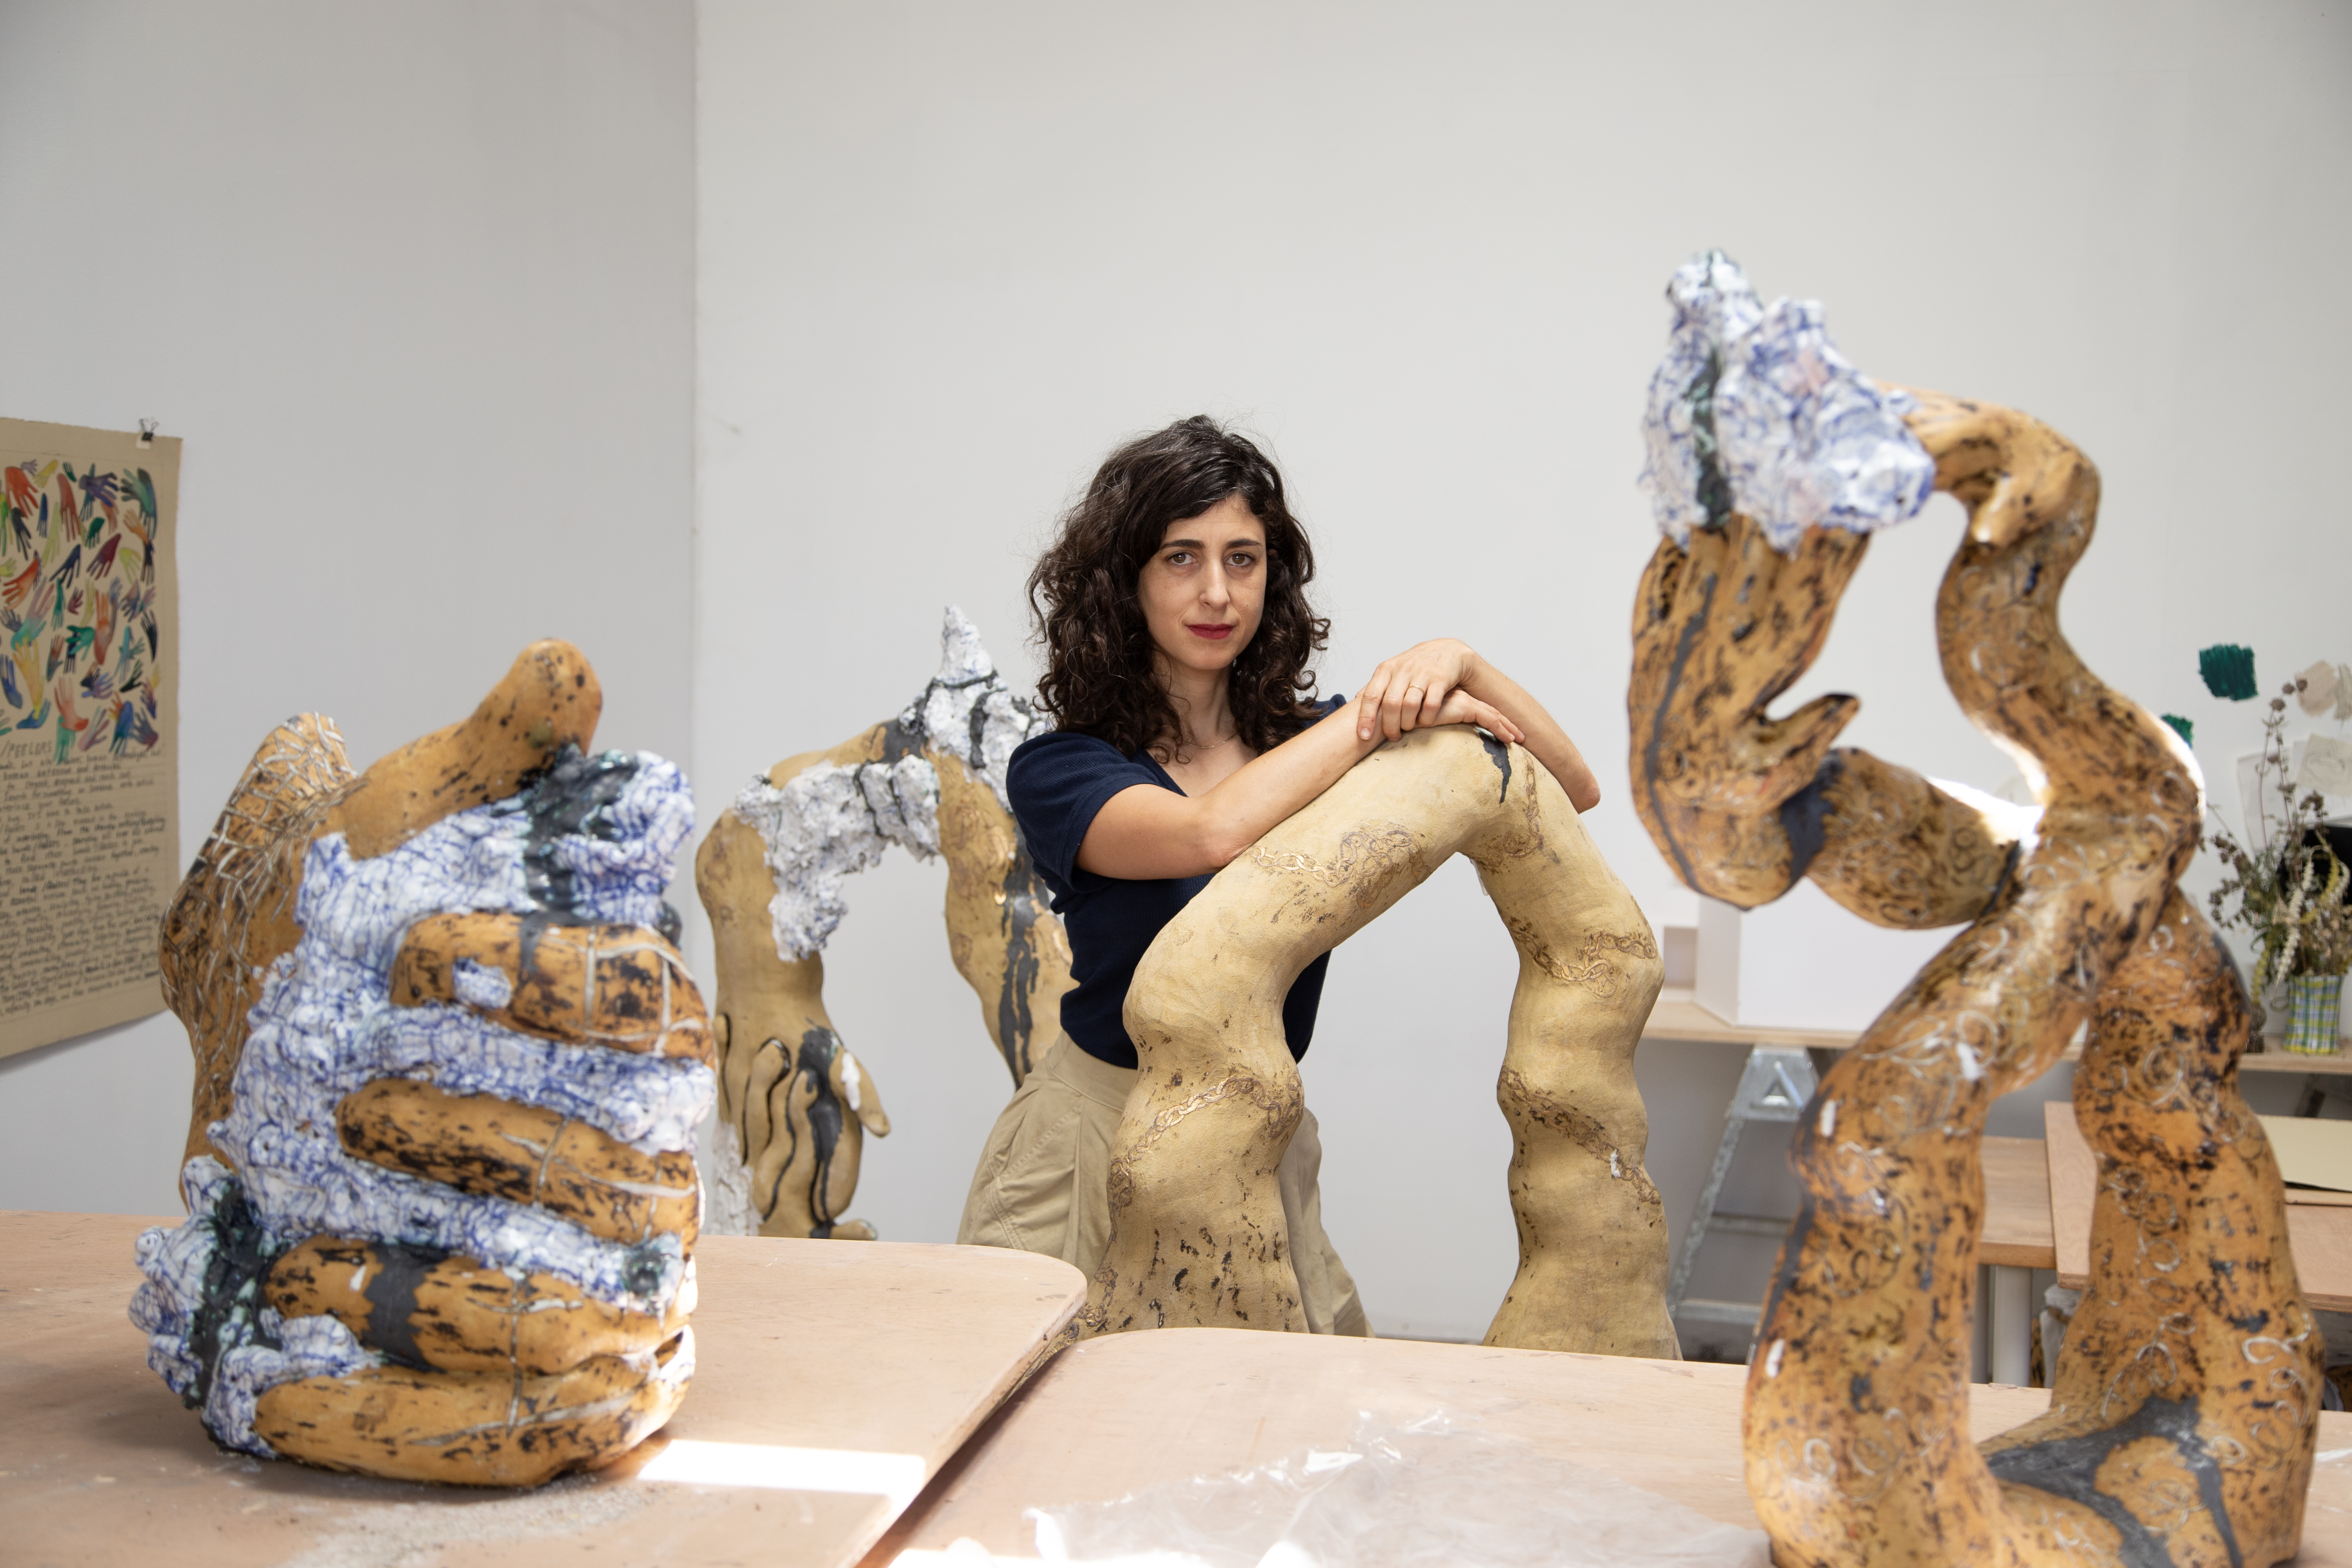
(1803,962)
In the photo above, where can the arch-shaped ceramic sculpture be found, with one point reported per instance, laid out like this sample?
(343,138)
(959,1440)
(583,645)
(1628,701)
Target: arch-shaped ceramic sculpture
(1197,1231)
(450,1072)
(793,1103)
(2181,1425)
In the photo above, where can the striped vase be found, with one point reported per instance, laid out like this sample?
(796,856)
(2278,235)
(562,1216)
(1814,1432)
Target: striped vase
(2312,1002)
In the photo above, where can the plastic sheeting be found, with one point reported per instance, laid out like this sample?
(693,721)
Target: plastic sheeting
(828,823)
(1396,1497)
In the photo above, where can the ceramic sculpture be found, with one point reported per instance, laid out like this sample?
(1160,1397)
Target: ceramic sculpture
(793,1103)
(1197,1231)
(450,1071)
(2181,1425)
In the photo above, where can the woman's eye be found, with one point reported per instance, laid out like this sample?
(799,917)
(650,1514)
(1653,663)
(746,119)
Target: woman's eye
(1241,562)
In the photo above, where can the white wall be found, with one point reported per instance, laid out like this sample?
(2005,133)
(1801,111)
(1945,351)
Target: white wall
(416,284)
(949,255)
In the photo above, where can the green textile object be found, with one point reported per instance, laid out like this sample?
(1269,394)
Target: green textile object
(2182,726)
(2227,670)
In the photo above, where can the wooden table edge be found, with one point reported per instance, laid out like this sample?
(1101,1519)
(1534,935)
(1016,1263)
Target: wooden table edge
(1683,1017)
(969,1437)
(2017,1255)
(900,1533)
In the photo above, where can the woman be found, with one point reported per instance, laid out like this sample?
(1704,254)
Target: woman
(1173,611)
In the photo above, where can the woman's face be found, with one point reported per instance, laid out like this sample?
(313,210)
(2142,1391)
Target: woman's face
(1204,590)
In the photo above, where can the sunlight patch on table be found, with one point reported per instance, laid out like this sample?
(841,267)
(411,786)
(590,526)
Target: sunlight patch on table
(776,1467)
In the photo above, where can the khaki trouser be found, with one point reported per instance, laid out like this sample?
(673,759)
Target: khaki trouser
(1044,1183)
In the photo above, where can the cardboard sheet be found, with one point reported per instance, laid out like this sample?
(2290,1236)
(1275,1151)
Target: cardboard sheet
(2311,1154)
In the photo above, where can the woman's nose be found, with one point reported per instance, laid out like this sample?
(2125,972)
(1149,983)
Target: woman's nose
(1214,590)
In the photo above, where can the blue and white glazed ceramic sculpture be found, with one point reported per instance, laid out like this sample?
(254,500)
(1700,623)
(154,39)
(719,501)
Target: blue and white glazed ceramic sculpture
(452,1069)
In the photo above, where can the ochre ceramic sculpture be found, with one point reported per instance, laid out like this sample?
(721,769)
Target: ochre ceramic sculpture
(450,1070)
(2182,1423)
(1197,1231)
(793,1103)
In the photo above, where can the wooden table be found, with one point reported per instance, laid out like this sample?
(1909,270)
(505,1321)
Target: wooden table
(2319,1233)
(2018,1232)
(1678,1016)
(1132,1410)
(835,1378)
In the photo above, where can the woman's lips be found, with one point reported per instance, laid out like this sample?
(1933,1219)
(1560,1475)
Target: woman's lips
(1214,634)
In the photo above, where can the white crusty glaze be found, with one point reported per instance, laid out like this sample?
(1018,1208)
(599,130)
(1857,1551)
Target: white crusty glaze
(727,1205)
(1798,436)
(829,822)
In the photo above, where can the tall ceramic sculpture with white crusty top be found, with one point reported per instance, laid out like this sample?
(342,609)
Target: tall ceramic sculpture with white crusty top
(2181,1425)
(793,1102)
(450,1073)
(1198,1235)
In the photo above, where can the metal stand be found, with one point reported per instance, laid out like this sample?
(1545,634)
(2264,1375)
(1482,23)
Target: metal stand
(1775,1086)
(2010,1322)
(2319,1089)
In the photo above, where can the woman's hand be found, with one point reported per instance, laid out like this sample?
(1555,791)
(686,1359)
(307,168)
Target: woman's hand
(1445,682)
(1145,831)
(1411,690)
(1461,708)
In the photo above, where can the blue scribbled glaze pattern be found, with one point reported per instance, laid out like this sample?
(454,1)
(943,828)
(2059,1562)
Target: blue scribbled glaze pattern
(259,1349)
(324,1026)
(1754,410)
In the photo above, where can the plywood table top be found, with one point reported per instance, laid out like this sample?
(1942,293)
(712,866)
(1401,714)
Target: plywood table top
(1679,1016)
(1134,1410)
(2018,1231)
(2320,1234)
(835,1378)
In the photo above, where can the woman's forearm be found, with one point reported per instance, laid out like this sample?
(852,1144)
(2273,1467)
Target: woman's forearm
(1545,738)
(1237,812)
(1147,832)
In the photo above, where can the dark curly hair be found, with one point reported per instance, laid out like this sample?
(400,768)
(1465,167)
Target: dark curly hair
(1101,678)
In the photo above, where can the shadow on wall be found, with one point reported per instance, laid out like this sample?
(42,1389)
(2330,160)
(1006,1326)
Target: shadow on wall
(96,1123)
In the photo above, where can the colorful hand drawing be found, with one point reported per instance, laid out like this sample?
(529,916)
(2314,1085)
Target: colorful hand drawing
(76,561)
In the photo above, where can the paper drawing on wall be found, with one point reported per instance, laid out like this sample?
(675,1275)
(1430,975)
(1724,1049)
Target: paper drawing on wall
(89,798)
(77,601)
(2181,1424)
(793,1103)
(1198,1235)
(451,1070)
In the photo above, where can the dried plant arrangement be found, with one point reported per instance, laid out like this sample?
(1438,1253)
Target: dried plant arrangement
(2285,889)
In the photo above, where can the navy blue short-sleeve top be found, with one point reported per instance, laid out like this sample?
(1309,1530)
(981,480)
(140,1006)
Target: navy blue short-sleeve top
(1057,782)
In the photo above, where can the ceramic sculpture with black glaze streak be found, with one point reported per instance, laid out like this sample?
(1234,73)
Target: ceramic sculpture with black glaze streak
(793,1102)
(1197,1237)
(2182,1420)
(450,1072)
